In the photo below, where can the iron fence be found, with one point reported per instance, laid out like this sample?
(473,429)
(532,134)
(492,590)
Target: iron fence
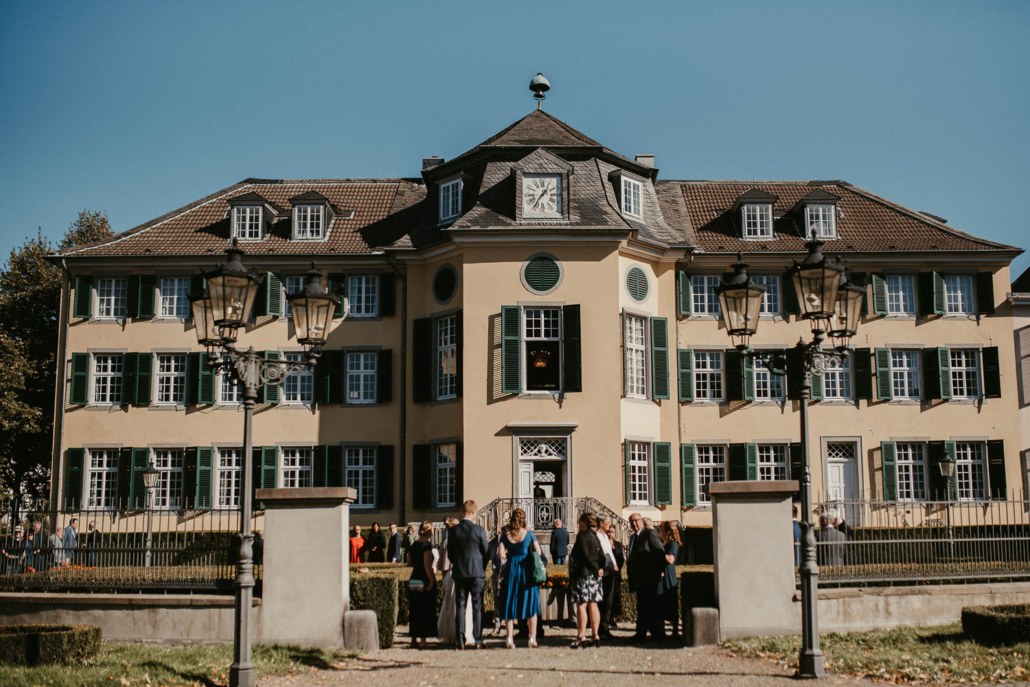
(121,549)
(922,541)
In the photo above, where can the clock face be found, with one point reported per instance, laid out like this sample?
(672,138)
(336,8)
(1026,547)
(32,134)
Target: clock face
(541,195)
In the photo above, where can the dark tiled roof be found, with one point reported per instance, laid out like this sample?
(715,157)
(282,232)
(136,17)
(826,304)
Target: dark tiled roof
(866,222)
(1022,283)
(539,129)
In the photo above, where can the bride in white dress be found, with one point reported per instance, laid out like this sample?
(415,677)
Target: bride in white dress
(445,624)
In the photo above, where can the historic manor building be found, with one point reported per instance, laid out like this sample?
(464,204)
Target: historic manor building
(535,317)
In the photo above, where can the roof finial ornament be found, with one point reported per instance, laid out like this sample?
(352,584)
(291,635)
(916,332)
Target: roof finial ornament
(539,85)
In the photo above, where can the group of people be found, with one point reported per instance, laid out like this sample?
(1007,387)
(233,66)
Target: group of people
(377,548)
(27,552)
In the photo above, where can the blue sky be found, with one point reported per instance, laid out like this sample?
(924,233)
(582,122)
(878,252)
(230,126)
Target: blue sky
(137,108)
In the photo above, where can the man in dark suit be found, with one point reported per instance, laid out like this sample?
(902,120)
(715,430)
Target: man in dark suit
(645,564)
(395,547)
(467,551)
(559,543)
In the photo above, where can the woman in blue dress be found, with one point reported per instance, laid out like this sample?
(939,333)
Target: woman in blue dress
(520,594)
(668,594)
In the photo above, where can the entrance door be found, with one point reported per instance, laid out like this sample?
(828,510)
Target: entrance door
(542,479)
(842,478)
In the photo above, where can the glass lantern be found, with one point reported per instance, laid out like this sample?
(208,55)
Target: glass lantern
(232,290)
(740,299)
(203,320)
(816,281)
(848,310)
(312,310)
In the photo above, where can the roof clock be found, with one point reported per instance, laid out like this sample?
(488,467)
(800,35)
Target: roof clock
(541,196)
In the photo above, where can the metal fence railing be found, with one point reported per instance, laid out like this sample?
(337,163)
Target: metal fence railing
(923,541)
(121,549)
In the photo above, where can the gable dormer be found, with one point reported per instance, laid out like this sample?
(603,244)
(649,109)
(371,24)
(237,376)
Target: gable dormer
(250,216)
(312,215)
(753,213)
(541,181)
(629,189)
(817,214)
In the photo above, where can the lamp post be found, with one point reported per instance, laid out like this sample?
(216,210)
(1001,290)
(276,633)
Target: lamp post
(151,477)
(826,299)
(947,467)
(218,313)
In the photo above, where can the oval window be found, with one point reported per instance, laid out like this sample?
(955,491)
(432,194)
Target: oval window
(541,274)
(636,284)
(445,283)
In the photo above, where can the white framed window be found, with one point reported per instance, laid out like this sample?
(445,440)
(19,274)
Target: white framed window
(171,379)
(758,220)
(169,462)
(958,291)
(447,357)
(969,471)
(636,356)
(632,194)
(361,377)
(705,302)
(911,464)
(107,378)
(771,297)
(772,462)
(363,294)
(111,297)
(230,462)
(768,386)
(175,293)
(450,199)
(901,294)
(965,373)
(300,386)
(103,478)
(246,222)
(542,348)
(292,284)
(639,473)
(905,374)
(446,475)
(309,222)
(229,388)
(822,219)
(361,474)
(837,379)
(296,467)
(708,376)
(711,467)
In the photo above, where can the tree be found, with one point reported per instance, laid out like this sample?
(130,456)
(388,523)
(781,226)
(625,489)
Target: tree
(30,298)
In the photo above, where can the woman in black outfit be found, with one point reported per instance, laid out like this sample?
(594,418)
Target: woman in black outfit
(422,597)
(375,545)
(586,566)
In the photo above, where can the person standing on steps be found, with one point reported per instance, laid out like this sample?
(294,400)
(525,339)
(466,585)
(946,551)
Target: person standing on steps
(467,554)
(559,543)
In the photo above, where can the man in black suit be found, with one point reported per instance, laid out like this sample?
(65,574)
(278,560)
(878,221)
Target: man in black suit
(395,547)
(467,551)
(645,564)
(559,543)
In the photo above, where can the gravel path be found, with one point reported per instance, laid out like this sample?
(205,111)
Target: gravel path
(554,664)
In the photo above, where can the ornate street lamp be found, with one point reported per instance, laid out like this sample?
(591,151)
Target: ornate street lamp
(151,478)
(740,300)
(218,313)
(816,281)
(848,310)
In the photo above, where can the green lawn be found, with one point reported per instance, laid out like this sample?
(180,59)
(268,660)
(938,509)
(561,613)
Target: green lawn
(925,655)
(120,665)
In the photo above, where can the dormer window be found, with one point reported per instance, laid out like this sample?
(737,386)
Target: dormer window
(246,222)
(450,200)
(308,221)
(757,220)
(632,194)
(821,220)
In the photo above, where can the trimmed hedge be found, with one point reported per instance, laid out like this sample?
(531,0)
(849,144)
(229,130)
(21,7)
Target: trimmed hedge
(377,593)
(997,624)
(29,645)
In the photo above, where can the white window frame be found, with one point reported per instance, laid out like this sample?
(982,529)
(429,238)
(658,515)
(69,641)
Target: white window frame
(309,222)
(772,299)
(632,197)
(173,298)
(544,336)
(959,294)
(249,218)
(823,218)
(965,376)
(291,284)
(768,386)
(714,377)
(229,477)
(445,474)
(450,199)
(170,379)
(709,462)
(299,387)
(840,371)
(901,294)
(109,377)
(636,356)
(112,298)
(170,490)
(359,473)
(102,477)
(295,466)
(773,462)
(704,302)
(446,357)
(363,295)
(910,375)
(970,468)
(757,221)
(639,466)
(362,375)
(227,382)
(910,463)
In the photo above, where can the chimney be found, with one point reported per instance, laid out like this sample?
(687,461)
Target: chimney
(646,160)
(430,162)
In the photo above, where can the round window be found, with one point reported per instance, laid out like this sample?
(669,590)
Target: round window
(636,284)
(541,274)
(445,283)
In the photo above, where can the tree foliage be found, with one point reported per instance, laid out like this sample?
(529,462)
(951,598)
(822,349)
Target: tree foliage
(30,299)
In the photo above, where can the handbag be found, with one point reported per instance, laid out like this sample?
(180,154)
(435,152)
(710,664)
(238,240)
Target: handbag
(539,569)
(416,586)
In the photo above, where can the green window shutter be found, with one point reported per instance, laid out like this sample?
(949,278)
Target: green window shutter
(132,295)
(270,392)
(83,305)
(189,479)
(205,477)
(888,453)
(737,460)
(789,295)
(862,362)
(320,466)
(992,372)
(384,477)
(686,298)
(748,365)
(137,491)
(422,476)
(944,365)
(193,364)
(688,474)
(541,273)
(686,374)
(329,377)
(662,473)
(817,388)
(125,479)
(949,450)
(422,360)
(752,462)
(197,283)
(147,296)
(130,369)
(269,467)
(73,478)
(384,376)
(338,286)
(511,349)
(940,298)
(572,350)
(660,357)
(884,387)
(387,294)
(334,466)
(636,283)
(625,369)
(626,489)
(931,374)
(985,293)
(879,294)
(270,296)
(797,467)
(862,279)
(144,373)
(734,374)
(996,468)
(79,392)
